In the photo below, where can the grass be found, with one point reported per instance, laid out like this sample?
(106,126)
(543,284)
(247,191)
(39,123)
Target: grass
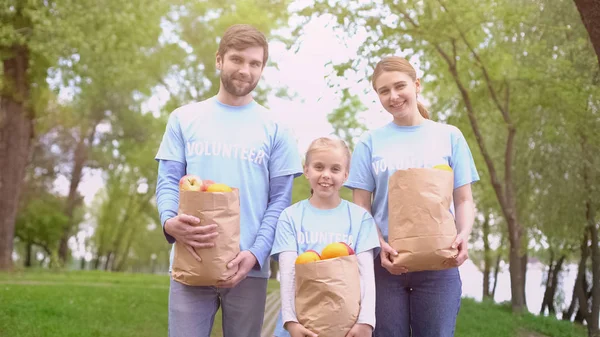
(492,320)
(98,304)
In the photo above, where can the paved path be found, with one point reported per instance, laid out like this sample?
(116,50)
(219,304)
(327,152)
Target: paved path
(271,312)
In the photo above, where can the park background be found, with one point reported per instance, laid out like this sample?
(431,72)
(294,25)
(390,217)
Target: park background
(86,88)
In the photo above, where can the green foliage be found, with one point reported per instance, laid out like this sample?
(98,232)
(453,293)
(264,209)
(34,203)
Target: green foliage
(41,220)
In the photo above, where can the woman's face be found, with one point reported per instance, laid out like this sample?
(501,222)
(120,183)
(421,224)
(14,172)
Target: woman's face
(398,93)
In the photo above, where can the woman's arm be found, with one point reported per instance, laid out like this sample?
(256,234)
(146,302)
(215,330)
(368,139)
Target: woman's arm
(464,209)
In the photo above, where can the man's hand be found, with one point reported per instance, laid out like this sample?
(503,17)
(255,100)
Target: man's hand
(298,330)
(360,330)
(243,262)
(185,231)
(462,243)
(386,258)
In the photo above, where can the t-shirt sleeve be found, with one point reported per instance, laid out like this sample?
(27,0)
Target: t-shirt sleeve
(172,146)
(285,157)
(462,162)
(368,237)
(285,237)
(361,174)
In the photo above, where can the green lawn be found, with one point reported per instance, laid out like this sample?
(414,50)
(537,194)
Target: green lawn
(94,304)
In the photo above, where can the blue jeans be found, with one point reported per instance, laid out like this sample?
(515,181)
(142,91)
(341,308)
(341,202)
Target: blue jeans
(418,304)
(192,309)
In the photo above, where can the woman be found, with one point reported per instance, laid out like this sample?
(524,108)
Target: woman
(424,303)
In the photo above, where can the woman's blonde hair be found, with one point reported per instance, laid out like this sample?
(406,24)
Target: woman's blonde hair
(396,63)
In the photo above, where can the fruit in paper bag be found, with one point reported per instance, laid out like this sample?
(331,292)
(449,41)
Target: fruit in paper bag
(307,257)
(336,249)
(218,187)
(443,167)
(350,250)
(206,183)
(190,182)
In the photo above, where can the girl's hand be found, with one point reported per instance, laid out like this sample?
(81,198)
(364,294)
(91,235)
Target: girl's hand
(462,244)
(360,330)
(298,330)
(386,259)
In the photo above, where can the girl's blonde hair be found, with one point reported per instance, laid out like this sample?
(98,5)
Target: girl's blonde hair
(327,143)
(396,63)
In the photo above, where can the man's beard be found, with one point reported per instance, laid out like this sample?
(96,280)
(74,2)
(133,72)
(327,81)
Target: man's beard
(234,90)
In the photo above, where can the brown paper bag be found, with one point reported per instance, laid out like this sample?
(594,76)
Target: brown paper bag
(420,226)
(222,209)
(328,295)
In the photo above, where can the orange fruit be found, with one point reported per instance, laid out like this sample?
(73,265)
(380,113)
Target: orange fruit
(334,250)
(307,257)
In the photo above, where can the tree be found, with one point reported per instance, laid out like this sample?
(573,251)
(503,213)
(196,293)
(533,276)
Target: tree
(40,39)
(590,15)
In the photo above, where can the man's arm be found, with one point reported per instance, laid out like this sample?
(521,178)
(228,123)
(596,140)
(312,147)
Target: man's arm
(280,197)
(167,191)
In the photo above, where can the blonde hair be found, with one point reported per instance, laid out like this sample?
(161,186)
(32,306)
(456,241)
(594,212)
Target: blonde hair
(396,63)
(327,143)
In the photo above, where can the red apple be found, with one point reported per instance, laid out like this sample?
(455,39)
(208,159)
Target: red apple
(190,182)
(206,183)
(350,250)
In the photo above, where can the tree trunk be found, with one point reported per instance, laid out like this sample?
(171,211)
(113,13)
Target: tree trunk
(551,285)
(589,10)
(29,253)
(497,267)
(556,272)
(107,262)
(580,277)
(591,314)
(487,256)
(546,299)
(593,327)
(16,133)
(80,158)
(580,288)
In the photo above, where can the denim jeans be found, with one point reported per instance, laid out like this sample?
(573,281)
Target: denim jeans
(192,309)
(418,304)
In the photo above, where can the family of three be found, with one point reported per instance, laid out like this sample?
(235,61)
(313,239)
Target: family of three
(394,302)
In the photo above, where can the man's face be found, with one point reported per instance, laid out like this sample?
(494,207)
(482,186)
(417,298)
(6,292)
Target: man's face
(241,70)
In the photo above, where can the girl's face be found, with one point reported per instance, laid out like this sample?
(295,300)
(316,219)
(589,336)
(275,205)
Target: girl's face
(398,93)
(326,171)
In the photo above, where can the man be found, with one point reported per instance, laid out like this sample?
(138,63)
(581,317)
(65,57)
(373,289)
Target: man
(228,138)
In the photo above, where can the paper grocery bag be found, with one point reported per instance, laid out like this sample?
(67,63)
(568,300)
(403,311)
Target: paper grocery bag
(420,226)
(328,295)
(222,209)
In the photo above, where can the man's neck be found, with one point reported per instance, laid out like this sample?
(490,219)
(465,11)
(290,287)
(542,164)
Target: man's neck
(226,98)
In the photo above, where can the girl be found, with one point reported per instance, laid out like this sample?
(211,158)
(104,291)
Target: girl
(422,303)
(322,219)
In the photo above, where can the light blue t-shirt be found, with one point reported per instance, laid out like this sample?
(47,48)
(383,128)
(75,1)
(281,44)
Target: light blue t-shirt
(302,227)
(241,146)
(383,151)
